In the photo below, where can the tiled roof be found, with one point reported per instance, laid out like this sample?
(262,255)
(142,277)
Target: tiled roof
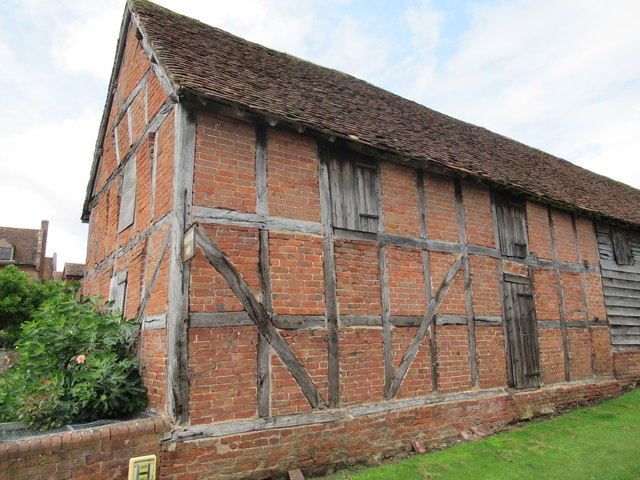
(203,60)
(73,270)
(25,244)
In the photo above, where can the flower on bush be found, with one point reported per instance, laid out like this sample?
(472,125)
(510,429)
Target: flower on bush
(51,385)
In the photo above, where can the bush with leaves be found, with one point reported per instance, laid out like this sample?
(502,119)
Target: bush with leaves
(75,365)
(20,297)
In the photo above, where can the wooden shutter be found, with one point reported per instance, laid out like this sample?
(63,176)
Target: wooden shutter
(118,291)
(621,247)
(353,182)
(512,227)
(128,195)
(522,332)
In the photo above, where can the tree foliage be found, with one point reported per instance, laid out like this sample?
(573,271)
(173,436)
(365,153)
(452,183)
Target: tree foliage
(75,365)
(20,297)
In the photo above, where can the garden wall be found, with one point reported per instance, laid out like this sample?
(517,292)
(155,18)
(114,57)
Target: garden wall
(96,453)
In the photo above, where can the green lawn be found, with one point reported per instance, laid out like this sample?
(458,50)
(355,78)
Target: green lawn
(601,442)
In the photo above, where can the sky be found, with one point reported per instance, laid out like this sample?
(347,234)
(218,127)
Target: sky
(560,76)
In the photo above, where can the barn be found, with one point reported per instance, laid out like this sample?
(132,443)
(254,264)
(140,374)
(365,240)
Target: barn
(324,271)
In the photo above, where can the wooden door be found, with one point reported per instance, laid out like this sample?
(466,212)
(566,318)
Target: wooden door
(522,332)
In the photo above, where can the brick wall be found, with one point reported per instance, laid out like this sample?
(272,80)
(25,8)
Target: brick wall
(88,454)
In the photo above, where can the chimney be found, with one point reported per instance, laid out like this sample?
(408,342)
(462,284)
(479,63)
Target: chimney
(42,247)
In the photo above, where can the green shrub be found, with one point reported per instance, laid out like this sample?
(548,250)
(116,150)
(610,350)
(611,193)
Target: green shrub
(20,297)
(75,365)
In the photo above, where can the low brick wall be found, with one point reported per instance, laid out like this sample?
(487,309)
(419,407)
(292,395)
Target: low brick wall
(364,438)
(96,453)
(626,364)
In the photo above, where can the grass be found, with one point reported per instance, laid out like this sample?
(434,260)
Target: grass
(600,442)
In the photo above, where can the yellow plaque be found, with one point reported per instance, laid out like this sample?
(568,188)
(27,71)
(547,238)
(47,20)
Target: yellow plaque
(142,468)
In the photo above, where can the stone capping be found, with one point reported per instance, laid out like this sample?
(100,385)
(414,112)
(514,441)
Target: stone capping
(52,443)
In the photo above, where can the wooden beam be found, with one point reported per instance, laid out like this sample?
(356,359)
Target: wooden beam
(468,294)
(330,286)
(260,317)
(411,352)
(563,319)
(387,346)
(426,270)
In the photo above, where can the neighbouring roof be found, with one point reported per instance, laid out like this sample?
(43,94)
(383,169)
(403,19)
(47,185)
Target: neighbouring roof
(25,244)
(73,270)
(205,61)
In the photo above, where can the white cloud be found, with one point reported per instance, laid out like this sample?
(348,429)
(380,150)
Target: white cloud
(45,171)
(555,75)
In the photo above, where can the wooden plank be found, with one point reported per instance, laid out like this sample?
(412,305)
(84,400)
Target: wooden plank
(178,309)
(445,319)
(619,301)
(625,330)
(623,311)
(414,346)
(620,275)
(618,340)
(621,292)
(609,265)
(468,293)
(548,324)
(330,288)
(615,320)
(260,316)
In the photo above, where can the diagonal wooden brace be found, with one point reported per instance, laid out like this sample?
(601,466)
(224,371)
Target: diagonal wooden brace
(428,318)
(260,317)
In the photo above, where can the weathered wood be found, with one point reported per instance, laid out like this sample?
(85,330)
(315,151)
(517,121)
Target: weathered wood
(620,301)
(154,322)
(626,329)
(361,320)
(549,324)
(386,323)
(149,289)
(512,229)
(616,320)
(560,293)
(219,319)
(299,322)
(405,320)
(448,319)
(414,346)
(260,316)
(261,170)
(330,287)
(263,370)
(128,196)
(489,320)
(243,219)
(621,247)
(614,267)
(621,288)
(468,293)
(179,271)
(153,174)
(623,312)
(522,334)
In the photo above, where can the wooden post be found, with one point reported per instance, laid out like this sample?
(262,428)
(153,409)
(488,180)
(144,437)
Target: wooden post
(331,296)
(179,271)
(468,294)
(426,269)
(563,319)
(264,269)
